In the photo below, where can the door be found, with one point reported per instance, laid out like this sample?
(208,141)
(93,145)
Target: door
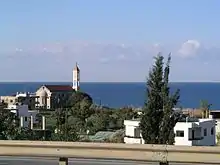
(193,134)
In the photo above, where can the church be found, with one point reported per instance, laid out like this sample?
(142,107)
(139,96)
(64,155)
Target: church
(48,95)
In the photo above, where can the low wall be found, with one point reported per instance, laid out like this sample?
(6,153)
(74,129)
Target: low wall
(142,152)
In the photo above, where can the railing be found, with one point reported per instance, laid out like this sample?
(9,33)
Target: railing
(137,152)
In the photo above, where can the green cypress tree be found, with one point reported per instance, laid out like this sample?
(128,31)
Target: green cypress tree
(152,111)
(158,118)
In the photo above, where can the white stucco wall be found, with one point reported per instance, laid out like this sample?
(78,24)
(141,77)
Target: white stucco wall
(23,111)
(43,93)
(180,126)
(130,126)
(186,127)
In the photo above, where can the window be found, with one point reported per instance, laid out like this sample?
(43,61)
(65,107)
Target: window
(137,132)
(25,118)
(205,132)
(179,133)
(212,131)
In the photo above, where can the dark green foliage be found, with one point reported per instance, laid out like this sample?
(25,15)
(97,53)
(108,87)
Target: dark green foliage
(77,97)
(119,115)
(158,118)
(71,116)
(60,115)
(80,115)
(9,124)
(25,134)
(67,134)
(80,104)
(152,114)
(97,122)
(9,127)
(104,120)
(65,131)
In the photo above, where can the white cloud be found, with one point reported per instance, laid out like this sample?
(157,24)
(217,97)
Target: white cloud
(107,62)
(121,57)
(18,50)
(189,48)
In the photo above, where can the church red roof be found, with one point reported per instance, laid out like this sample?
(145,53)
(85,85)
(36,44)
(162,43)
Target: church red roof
(57,88)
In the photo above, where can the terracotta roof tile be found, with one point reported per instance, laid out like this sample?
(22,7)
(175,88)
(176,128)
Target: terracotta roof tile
(57,88)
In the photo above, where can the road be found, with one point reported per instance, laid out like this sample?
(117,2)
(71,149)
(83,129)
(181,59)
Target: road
(52,161)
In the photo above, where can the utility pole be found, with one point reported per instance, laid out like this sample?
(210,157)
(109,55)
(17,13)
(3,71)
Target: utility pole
(58,118)
(66,120)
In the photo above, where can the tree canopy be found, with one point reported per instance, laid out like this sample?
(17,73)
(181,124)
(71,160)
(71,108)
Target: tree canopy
(159,119)
(80,104)
(10,129)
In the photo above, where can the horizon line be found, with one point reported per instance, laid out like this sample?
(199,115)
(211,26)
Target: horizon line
(105,82)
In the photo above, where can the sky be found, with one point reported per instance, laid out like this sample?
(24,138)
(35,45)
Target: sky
(112,40)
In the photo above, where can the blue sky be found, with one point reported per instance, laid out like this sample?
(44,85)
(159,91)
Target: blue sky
(112,40)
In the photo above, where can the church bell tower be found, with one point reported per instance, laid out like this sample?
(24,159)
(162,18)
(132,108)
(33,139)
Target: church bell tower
(76,78)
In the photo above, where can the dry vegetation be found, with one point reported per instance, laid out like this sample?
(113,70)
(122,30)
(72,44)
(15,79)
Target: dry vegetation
(193,112)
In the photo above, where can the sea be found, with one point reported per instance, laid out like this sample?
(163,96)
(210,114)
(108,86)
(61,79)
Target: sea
(129,94)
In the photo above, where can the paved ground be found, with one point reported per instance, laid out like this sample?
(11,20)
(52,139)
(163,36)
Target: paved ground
(51,161)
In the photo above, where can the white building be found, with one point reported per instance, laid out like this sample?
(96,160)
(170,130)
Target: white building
(19,97)
(47,96)
(189,133)
(76,78)
(27,117)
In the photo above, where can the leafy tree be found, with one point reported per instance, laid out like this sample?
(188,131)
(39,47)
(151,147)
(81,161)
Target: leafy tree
(25,134)
(10,129)
(159,119)
(79,96)
(77,123)
(97,122)
(66,131)
(125,113)
(9,123)
(69,135)
(60,115)
(80,104)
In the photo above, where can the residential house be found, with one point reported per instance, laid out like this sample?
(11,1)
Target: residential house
(22,98)
(196,132)
(27,117)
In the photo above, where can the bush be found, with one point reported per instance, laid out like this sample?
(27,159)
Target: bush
(218,138)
